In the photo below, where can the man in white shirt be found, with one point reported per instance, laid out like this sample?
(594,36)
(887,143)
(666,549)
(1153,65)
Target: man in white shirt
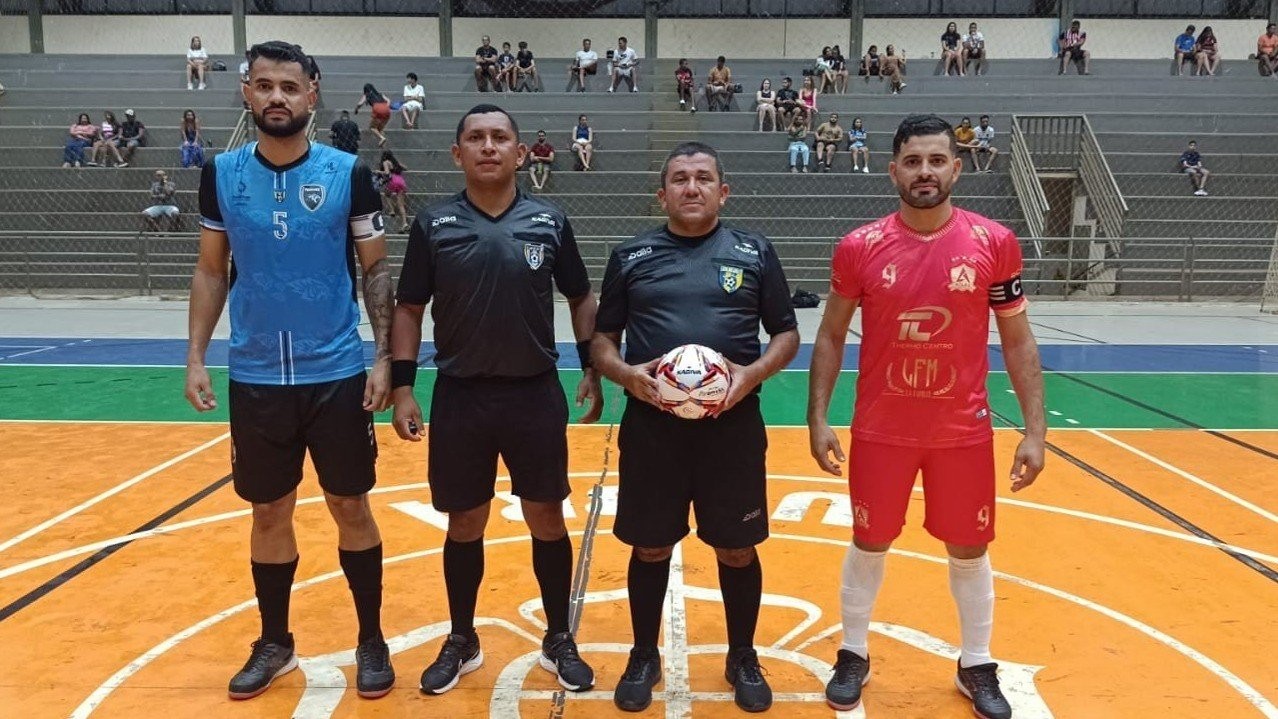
(984,146)
(973,49)
(625,62)
(414,101)
(585,63)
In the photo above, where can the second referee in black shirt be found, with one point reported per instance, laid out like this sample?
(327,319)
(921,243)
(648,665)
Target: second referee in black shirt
(487,260)
(693,281)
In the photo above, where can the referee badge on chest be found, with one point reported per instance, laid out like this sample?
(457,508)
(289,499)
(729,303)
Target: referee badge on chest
(730,278)
(534,254)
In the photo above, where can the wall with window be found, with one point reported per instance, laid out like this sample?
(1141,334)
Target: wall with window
(547,37)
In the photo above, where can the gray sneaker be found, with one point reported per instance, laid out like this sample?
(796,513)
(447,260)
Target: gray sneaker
(266,662)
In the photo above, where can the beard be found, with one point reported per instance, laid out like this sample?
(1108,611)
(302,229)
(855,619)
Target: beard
(939,197)
(294,125)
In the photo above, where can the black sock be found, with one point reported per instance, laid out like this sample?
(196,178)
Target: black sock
(646,583)
(463,572)
(273,584)
(742,589)
(552,563)
(363,571)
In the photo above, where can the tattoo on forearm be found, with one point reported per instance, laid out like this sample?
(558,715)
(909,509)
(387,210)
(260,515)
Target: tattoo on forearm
(379,300)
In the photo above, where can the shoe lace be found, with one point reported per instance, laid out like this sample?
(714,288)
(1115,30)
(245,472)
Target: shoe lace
(638,667)
(847,667)
(260,656)
(564,650)
(748,668)
(454,650)
(983,682)
(373,655)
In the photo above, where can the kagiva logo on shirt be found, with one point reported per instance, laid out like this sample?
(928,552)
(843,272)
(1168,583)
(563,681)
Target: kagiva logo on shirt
(730,278)
(534,254)
(312,196)
(544,218)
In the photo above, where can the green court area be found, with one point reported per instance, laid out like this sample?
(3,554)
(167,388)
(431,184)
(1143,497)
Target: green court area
(1074,400)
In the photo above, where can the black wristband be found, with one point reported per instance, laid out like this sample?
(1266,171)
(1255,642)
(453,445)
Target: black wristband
(583,353)
(403,373)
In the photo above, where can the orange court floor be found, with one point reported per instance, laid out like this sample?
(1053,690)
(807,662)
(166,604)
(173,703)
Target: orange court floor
(125,587)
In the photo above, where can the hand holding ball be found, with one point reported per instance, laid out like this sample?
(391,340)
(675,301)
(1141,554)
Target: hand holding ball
(693,381)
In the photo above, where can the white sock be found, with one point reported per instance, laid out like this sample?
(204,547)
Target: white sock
(862,577)
(972,584)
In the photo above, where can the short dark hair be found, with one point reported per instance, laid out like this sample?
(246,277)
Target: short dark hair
(1193,142)
(721,59)
(622,39)
(985,117)
(688,149)
(922,125)
(787,79)
(484,109)
(281,51)
(412,76)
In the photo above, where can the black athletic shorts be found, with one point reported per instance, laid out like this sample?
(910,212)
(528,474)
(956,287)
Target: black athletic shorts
(716,465)
(472,421)
(272,427)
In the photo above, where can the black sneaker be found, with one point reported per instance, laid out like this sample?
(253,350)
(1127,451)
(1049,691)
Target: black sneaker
(559,657)
(750,690)
(980,684)
(643,671)
(851,672)
(374,675)
(459,656)
(267,661)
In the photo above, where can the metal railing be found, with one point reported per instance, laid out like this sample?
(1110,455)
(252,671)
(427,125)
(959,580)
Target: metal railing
(129,263)
(1100,183)
(239,135)
(1029,190)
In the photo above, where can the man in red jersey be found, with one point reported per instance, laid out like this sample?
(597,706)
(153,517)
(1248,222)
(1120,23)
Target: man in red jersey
(927,277)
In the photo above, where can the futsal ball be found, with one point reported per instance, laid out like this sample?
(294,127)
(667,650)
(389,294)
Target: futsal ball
(692,381)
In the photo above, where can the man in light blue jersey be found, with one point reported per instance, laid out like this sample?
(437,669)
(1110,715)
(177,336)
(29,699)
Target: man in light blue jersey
(282,223)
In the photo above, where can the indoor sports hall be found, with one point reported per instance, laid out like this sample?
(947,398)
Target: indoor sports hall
(1136,579)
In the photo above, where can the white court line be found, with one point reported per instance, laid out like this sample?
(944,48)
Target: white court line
(1186,475)
(31,349)
(111,492)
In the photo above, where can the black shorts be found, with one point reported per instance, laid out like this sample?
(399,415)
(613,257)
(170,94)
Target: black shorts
(716,465)
(272,427)
(472,421)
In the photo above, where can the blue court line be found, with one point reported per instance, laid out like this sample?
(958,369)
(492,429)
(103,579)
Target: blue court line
(1062,358)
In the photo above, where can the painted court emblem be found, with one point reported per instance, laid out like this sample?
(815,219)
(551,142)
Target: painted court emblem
(534,254)
(312,196)
(730,278)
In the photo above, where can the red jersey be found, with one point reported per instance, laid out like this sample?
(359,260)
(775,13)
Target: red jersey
(925,303)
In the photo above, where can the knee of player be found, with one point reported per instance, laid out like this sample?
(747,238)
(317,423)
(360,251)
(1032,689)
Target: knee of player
(349,510)
(966,551)
(653,554)
(468,525)
(736,557)
(271,516)
(545,520)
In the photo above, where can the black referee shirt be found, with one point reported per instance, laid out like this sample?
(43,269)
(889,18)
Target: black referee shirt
(488,280)
(664,290)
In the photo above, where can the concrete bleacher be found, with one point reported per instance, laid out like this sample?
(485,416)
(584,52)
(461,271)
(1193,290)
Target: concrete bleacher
(1137,110)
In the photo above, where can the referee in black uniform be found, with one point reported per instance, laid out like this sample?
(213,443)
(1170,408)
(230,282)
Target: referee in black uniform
(693,281)
(487,260)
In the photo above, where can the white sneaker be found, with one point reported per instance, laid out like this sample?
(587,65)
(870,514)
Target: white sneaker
(682,103)
(866,169)
(202,86)
(856,168)
(611,90)
(190,86)
(634,89)
(1200,193)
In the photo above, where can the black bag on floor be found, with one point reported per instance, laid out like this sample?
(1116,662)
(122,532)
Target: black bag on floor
(804,299)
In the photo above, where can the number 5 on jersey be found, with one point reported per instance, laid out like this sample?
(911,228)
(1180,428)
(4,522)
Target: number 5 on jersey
(279,218)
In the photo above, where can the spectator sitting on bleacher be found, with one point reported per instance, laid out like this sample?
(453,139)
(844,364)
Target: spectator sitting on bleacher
(766,100)
(857,144)
(1184,46)
(973,50)
(486,66)
(82,135)
(824,70)
(951,55)
(1191,163)
(870,64)
(132,134)
(684,82)
(719,86)
(525,70)
(892,67)
(583,142)
(965,138)
(808,100)
(798,133)
(197,62)
(586,62)
(414,101)
(192,140)
(828,136)
(984,146)
(380,109)
(840,64)
(1205,54)
(1267,51)
(344,134)
(625,66)
(108,141)
(787,103)
(540,157)
(162,204)
(506,68)
(1071,47)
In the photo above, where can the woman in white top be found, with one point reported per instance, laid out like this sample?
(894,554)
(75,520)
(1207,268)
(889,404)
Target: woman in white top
(197,61)
(766,100)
